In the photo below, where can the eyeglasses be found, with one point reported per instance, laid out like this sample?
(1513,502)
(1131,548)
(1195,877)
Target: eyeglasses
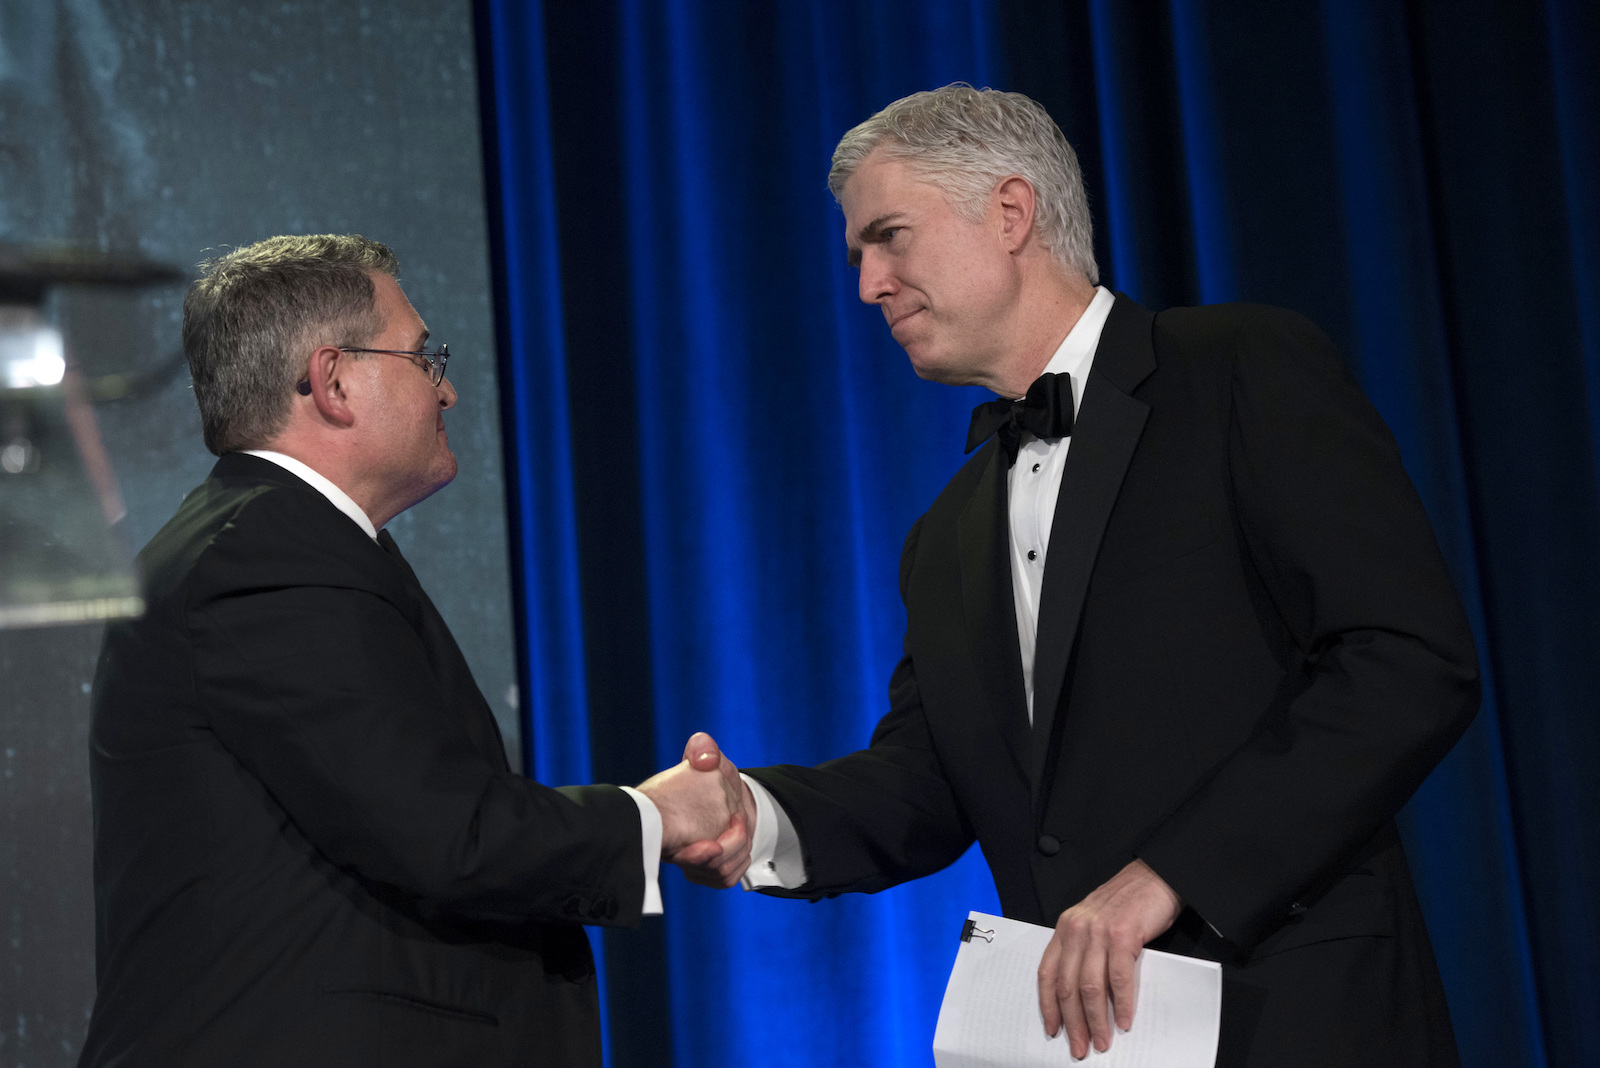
(436,359)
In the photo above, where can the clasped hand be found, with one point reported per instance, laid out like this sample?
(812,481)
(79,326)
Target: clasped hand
(708,814)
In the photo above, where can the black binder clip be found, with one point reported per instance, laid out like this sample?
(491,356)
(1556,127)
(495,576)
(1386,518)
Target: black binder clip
(970,928)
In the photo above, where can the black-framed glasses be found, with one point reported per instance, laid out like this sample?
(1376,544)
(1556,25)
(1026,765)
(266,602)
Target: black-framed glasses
(436,358)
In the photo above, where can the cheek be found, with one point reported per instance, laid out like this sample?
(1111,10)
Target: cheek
(969,276)
(979,297)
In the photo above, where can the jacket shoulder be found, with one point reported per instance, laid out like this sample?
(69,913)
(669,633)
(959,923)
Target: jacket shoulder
(953,498)
(1233,328)
(233,535)
(1257,341)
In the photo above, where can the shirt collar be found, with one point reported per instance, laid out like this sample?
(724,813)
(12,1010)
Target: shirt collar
(1076,353)
(336,496)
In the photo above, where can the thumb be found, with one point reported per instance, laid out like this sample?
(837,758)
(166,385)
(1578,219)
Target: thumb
(702,752)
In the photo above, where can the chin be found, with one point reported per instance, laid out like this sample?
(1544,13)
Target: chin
(447,472)
(441,476)
(934,370)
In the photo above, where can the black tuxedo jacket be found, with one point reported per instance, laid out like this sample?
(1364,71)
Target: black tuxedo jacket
(309,848)
(1249,655)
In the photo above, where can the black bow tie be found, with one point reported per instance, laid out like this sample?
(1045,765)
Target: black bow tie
(1046,412)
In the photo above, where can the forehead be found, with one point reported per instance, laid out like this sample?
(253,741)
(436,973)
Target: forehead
(395,307)
(883,186)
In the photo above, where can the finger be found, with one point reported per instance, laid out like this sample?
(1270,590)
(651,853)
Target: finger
(701,752)
(731,869)
(1049,968)
(1124,982)
(735,846)
(1069,995)
(1092,991)
(704,877)
(736,839)
(697,855)
(734,863)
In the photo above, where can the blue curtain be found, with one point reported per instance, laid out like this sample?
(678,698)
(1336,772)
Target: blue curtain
(717,450)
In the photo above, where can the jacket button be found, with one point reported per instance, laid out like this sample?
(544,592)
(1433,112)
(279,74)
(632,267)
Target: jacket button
(572,906)
(1049,845)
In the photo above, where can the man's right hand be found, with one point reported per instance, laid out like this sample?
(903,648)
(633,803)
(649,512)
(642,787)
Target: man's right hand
(707,812)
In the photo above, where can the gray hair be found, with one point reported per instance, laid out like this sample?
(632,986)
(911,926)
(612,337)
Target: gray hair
(966,141)
(253,315)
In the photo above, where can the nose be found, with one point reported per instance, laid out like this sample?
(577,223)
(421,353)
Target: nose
(447,394)
(876,282)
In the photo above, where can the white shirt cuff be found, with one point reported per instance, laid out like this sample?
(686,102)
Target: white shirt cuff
(775,857)
(650,836)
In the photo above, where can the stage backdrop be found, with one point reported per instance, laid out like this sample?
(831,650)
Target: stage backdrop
(717,450)
(174,130)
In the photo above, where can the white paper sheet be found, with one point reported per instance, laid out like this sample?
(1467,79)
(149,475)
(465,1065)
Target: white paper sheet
(990,1017)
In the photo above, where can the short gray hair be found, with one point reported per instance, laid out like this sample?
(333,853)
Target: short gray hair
(253,315)
(966,141)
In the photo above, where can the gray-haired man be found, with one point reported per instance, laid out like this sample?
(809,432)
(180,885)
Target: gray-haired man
(309,847)
(1179,639)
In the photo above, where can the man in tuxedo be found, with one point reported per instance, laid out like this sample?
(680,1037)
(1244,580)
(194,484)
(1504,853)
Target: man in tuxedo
(1179,644)
(309,846)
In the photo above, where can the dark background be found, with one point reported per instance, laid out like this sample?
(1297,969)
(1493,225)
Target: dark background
(748,447)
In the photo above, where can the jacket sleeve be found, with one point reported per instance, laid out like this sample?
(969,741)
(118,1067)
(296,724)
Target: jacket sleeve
(323,692)
(880,816)
(1340,542)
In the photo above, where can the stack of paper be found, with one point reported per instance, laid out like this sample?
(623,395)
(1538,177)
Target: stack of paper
(990,1017)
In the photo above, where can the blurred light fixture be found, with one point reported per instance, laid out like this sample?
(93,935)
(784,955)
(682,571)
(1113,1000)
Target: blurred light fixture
(31,354)
(63,557)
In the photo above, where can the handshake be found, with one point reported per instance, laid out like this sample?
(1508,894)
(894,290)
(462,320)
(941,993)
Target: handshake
(708,815)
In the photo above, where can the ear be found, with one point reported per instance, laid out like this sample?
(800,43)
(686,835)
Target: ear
(1015,200)
(324,385)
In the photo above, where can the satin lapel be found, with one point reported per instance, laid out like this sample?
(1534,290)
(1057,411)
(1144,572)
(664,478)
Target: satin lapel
(1104,437)
(990,612)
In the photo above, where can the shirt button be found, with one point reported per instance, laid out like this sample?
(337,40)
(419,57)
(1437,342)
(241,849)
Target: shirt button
(1036,467)
(1032,555)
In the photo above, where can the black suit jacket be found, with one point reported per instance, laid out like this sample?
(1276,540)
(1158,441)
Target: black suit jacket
(309,848)
(1249,655)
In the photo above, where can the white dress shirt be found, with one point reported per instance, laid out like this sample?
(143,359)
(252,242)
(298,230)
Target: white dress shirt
(649,815)
(1032,488)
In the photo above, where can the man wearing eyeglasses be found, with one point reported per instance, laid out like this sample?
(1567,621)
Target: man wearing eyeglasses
(309,846)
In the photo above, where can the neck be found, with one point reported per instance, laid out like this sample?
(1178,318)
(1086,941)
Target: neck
(1046,315)
(335,463)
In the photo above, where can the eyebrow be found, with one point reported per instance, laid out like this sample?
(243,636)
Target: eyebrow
(422,339)
(872,234)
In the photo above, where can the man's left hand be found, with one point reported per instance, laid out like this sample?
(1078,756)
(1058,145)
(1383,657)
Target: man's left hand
(1092,955)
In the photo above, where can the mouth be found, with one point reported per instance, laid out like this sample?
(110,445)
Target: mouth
(896,320)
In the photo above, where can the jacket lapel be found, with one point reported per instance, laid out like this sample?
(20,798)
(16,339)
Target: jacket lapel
(450,666)
(989,608)
(1110,421)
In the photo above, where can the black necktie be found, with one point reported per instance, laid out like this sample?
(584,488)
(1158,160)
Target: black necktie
(1046,412)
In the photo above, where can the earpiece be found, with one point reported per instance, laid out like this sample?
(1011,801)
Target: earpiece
(304,387)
